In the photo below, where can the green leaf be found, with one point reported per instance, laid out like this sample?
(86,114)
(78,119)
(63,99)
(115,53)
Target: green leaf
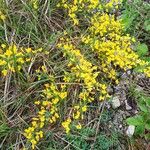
(147,136)
(147,100)
(146,59)
(4,130)
(137,120)
(139,130)
(147,25)
(147,126)
(142,49)
(143,107)
(147,28)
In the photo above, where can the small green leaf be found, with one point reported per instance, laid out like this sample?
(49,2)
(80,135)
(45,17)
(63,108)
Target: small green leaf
(147,100)
(147,28)
(146,59)
(147,136)
(139,130)
(147,25)
(142,49)
(147,125)
(137,120)
(4,130)
(143,107)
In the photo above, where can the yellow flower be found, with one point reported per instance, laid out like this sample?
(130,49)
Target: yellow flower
(101,98)
(50,120)
(56,115)
(20,60)
(66,125)
(54,119)
(37,102)
(78,126)
(8,53)
(44,69)
(42,112)
(41,124)
(2,17)
(63,95)
(3,46)
(34,142)
(37,137)
(45,103)
(35,119)
(28,50)
(41,134)
(2,62)
(35,5)
(77,115)
(84,108)
(55,101)
(4,72)
(34,123)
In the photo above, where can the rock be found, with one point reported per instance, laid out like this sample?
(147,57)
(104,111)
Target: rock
(136,112)
(120,126)
(115,102)
(127,114)
(130,130)
(124,76)
(128,72)
(127,106)
(107,104)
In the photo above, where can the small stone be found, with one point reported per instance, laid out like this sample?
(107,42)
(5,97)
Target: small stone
(116,102)
(124,76)
(130,130)
(109,126)
(129,72)
(127,114)
(127,106)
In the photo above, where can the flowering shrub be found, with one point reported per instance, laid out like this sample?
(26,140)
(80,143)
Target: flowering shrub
(12,59)
(48,111)
(104,38)
(111,52)
(87,7)
(83,73)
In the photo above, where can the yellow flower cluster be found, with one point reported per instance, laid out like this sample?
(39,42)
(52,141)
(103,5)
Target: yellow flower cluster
(109,46)
(112,4)
(106,39)
(77,7)
(66,125)
(72,9)
(2,16)
(81,72)
(12,59)
(147,71)
(80,67)
(48,112)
